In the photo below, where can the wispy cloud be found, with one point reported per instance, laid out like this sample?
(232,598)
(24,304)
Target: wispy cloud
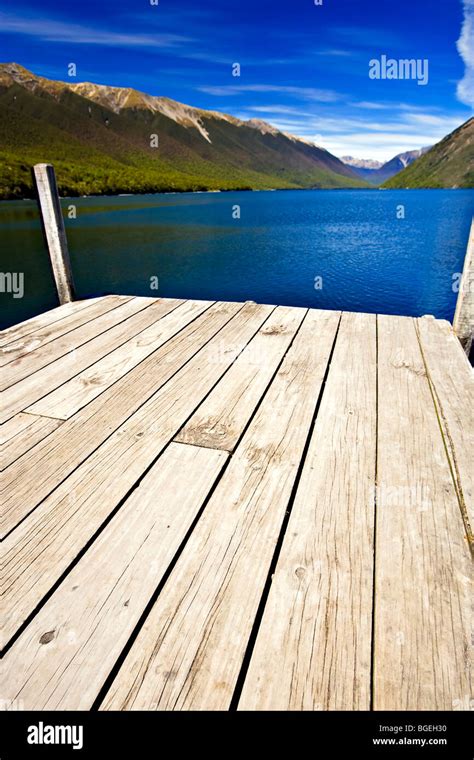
(372,106)
(392,106)
(304,93)
(58,31)
(406,130)
(465,45)
(206,57)
(377,145)
(336,53)
(274,109)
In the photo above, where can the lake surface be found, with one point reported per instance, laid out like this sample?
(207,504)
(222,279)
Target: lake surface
(324,249)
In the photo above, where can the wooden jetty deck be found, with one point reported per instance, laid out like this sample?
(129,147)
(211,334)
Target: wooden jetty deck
(235,506)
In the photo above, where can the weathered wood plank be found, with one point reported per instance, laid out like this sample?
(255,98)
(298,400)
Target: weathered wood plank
(204,614)
(48,540)
(64,656)
(20,330)
(105,317)
(220,420)
(78,437)
(73,395)
(54,230)
(423,618)
(132,320)
(313,649)
(21,433)
(40,337)
(452,380)
(463,323)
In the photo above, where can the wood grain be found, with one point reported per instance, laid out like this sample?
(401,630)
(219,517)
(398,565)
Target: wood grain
(452,380)
(62,659)
(48,540)
(54,230)
(78,437)
(133,318)
(20,434)
(423,572)
(102,315)
(34,340)
(22,329)
(221,418)
(203,617)
(313,649)
(282,556)
(74,394)
(463,322)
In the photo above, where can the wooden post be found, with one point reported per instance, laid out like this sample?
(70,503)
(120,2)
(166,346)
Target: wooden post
(54,231)
(463,324)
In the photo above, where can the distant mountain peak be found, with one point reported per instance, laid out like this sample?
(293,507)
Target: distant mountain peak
(449,163)
(409,156)
(362,163)
(377,172)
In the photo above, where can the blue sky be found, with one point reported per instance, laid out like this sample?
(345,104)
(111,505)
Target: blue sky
(304,67)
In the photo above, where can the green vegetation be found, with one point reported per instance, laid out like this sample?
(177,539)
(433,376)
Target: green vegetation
(97,151)
(448,164)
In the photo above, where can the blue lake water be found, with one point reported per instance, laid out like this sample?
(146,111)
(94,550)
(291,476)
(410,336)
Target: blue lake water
(325,249)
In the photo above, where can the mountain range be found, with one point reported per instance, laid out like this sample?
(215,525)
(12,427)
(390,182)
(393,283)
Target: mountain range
(362,163)
(116,140)
(449,163)
(377,172)
(104,139)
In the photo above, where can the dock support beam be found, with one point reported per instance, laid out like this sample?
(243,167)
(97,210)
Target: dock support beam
(54,231)
(463,324)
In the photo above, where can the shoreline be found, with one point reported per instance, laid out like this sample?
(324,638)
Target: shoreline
(246,190)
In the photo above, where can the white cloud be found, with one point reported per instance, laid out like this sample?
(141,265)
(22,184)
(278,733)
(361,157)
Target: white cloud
(57,31)
(335,53)
(465,45)
(373,106)
(391,106)
(375,145)
(287,110)
(360,138)
(306,93)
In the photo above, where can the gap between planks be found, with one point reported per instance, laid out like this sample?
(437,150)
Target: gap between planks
(453,399)
(81,436)
(42,336)
(70,647)
(22,433)
(423,571)
(44,544)
(24,329)
(205,612)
